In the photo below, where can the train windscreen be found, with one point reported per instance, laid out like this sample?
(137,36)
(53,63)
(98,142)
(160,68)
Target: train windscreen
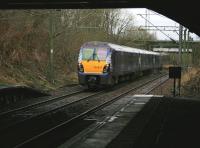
(94,54)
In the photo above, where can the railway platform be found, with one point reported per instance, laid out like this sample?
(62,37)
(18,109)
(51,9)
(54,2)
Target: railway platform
(146,121)
(13,93)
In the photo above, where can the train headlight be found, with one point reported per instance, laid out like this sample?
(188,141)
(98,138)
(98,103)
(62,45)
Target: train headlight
(80,67)
(106,68)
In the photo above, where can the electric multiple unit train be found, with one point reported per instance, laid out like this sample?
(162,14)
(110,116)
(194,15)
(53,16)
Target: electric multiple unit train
(102,63)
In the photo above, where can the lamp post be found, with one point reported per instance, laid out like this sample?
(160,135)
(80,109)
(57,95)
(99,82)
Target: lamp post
(180,56)
(180,44)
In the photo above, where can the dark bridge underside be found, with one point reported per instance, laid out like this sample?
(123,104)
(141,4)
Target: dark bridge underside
(185,12)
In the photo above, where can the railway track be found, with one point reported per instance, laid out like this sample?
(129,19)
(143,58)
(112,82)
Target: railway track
(55,95)
(89,108)
(66,88)
(20,124)
(41,108)
(43,100)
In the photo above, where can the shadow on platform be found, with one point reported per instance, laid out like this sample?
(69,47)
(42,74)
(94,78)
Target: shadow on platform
(164,122)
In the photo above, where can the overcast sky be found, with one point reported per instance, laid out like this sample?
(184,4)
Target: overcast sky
(157,20)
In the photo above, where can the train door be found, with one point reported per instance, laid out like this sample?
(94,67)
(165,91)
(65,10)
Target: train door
(113,60)
(139,62)
(154,61)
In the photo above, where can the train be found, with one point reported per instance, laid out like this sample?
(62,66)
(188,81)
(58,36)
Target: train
(103,63)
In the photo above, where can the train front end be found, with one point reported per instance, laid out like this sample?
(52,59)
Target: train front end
(94,65)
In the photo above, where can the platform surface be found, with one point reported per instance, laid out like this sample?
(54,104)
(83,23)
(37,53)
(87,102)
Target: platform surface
(150,121)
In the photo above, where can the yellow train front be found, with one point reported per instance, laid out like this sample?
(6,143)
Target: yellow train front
(102,63)
(94,65)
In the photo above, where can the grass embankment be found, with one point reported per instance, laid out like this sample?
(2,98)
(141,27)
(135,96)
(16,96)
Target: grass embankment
(190,82)
(20,75)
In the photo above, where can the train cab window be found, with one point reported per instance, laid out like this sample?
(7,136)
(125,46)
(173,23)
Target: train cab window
(100,54)
(87,53)
(108,58)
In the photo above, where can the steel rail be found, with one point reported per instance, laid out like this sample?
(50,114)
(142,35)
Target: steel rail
(49,111)
(51,99)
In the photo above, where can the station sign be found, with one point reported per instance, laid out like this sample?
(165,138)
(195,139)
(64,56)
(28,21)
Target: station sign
(175,72)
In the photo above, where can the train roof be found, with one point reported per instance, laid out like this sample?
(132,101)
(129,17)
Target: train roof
(131,49)
(120,48)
